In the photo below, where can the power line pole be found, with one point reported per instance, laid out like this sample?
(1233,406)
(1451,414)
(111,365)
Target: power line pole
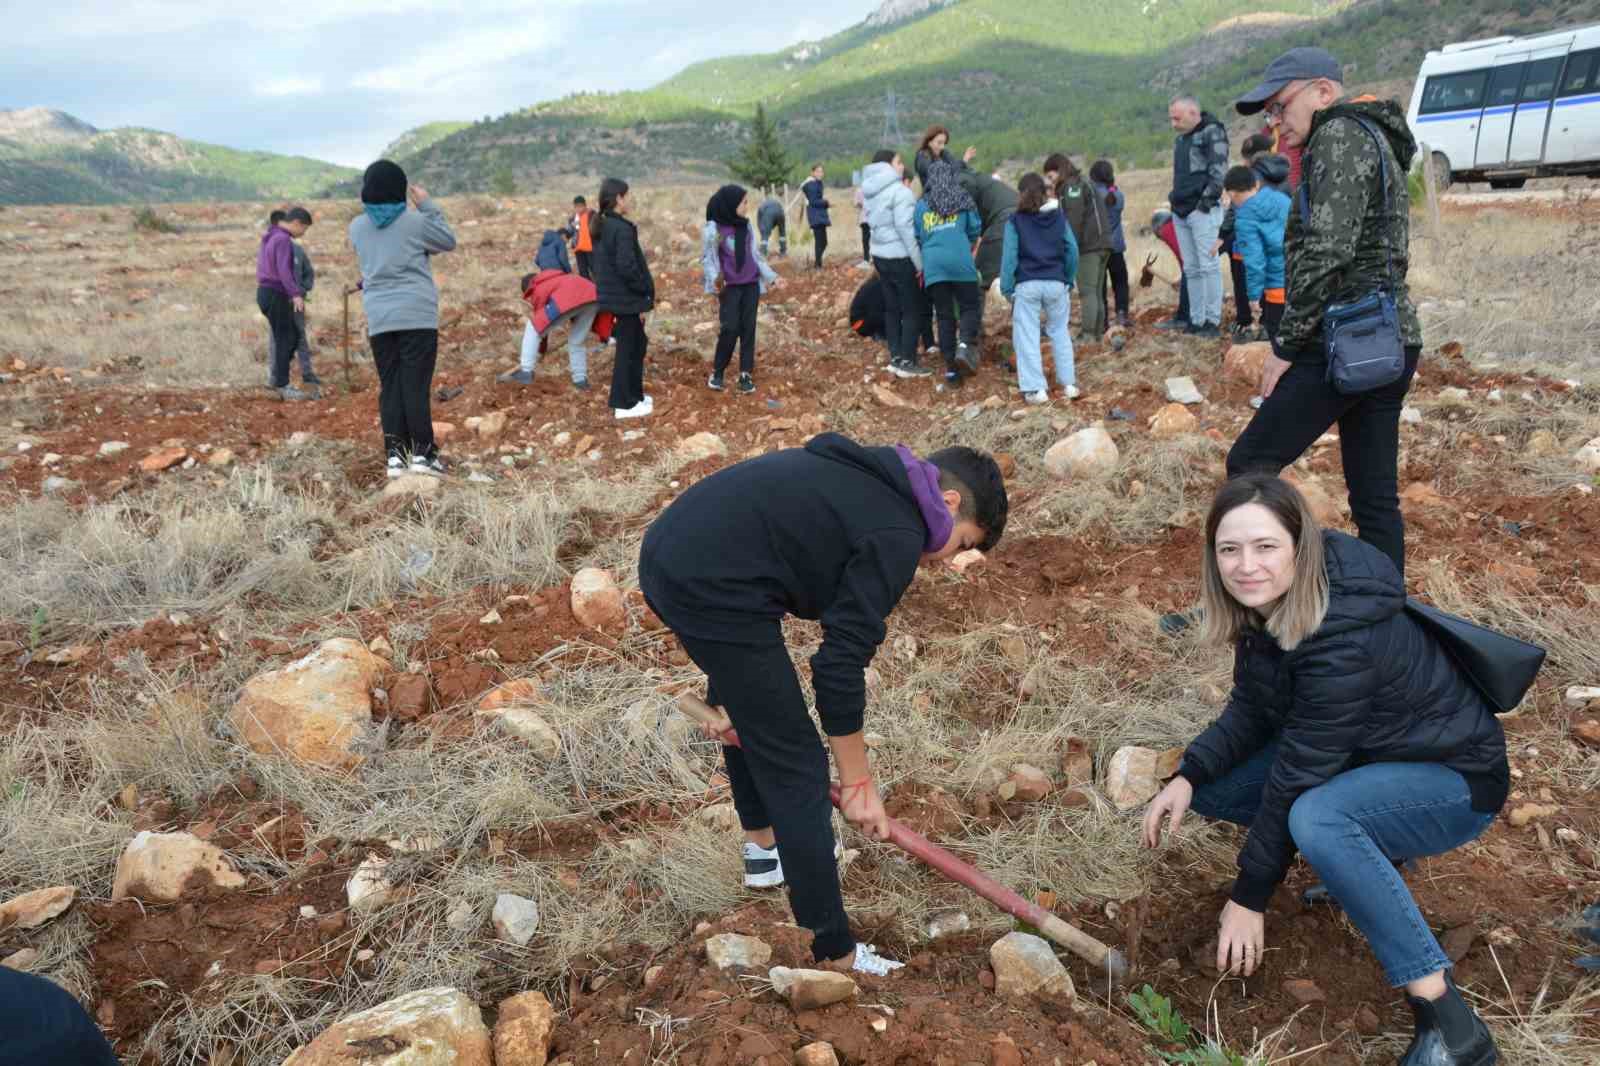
(891,121)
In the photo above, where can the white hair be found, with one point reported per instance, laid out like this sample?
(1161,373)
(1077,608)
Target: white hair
(1186,100)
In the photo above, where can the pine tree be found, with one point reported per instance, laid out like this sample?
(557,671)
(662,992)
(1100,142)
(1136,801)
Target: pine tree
(764,162)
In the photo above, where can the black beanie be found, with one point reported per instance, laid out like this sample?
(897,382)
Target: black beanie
(383,183)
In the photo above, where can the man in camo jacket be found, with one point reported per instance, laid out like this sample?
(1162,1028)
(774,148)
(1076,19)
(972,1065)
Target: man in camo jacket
(1348,235)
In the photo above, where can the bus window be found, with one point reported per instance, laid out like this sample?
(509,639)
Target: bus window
(1581,70)
(1540,83)
(1504,84)
(1453,92)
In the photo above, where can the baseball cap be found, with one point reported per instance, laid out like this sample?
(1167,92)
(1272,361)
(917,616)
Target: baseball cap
(1297,64)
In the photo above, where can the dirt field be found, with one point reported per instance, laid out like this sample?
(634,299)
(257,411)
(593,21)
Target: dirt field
(135,604)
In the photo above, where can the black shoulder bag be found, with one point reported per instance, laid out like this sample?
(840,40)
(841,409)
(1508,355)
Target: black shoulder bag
(1500,667)
(1362,338)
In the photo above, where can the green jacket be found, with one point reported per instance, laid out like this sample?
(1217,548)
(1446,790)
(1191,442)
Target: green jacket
(1343,251)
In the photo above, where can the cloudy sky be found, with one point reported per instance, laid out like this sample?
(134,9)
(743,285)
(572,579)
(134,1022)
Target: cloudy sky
(339,79)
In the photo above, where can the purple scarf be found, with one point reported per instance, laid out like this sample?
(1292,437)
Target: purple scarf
(924,478)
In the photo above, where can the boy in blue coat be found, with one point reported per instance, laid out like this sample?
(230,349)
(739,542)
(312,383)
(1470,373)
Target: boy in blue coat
(947,228)
(1260,216)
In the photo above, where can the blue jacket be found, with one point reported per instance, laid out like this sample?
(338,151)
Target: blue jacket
(552,254)
(1030,252)
(1258,226)
(816,203)
(946,242)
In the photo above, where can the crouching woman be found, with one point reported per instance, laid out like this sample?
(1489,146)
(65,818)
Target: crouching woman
(1350,736)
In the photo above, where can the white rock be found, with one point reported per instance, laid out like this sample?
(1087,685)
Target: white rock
(413,485)
(462,917)
(54,486)
(948,924)
(596,599)
(528,726)
(159,867)
(491,619)
(1088,453)
(963,561)
(114,447)
(727,950)
(1580,696)
(701,446)
(515,919)
(430,1027)
(308,911)
(1410,415)
(1453,394)
(1182,390)
(1024,965)
(810,989)
(1588,456)
(1131,777)
(368,888)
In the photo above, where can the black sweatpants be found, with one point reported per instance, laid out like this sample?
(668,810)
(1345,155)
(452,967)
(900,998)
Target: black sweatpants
(820,235)
(901,294)
(41,1024)
(927,341)
(739,304)
(1243,314)
(405,359)
(1117,269)
(1301,408)
(780,776)
(583,264)
(279,311)
(866,242)
(955,302)
(627,372)
(1271,317)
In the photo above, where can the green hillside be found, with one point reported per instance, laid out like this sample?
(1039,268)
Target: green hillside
(1089,77)
(59,160)
(419,138)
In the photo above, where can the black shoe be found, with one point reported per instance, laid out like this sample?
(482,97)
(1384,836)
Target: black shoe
(747,384)
(952,379)
(1124,320)
(310,379)
(966,358)
(1208,331)
(714,382)
(1469,1045)
(1173,325)
(1241,330)
(1176,622)
(908,369)
(581,384)
(517,377)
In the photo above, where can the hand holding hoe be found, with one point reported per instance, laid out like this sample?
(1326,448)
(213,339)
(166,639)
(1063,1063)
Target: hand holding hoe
(915,844)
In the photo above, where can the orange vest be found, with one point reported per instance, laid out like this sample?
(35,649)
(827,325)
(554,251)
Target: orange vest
(585,242)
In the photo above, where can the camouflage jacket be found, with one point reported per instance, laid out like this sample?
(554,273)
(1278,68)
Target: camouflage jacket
(1354,232)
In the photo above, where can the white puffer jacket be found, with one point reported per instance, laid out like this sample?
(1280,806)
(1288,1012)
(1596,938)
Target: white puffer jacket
(891,212)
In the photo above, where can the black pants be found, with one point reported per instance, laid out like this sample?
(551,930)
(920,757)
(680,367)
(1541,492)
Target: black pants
(820,235)
(1183,302)
(956,303)
(1117,270)
(280,318)
(739,304)
(627,372)
(1301,408)
(926,341)
(405,359)
(782,226)
(583,264)
(42,1025)
(1243,313)
(866,242)
(901,294)
(1271,316)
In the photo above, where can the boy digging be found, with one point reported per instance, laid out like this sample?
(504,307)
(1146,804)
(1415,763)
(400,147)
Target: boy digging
(832,532)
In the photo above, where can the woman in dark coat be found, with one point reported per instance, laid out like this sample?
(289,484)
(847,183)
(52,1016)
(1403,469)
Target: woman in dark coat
(1351,736)
(625,289)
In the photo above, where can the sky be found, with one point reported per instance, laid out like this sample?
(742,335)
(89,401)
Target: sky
(340,79)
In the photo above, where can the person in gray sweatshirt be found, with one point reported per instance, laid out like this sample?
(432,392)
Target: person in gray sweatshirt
(401,301)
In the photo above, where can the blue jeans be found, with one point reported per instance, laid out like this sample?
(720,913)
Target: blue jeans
(1031,300)
(1202,272)
(1353,829)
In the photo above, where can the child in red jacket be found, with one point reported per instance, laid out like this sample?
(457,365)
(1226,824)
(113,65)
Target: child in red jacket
(555,297)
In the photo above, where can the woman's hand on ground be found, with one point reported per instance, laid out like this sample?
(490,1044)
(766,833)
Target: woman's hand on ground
(1241,938)
(1171,803)
(1272,369)
(862,805)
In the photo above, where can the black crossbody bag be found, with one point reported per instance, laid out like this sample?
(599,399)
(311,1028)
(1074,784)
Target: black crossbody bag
(1500,667)
(1361,338)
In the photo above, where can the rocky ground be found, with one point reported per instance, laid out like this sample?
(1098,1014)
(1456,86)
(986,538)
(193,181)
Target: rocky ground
(304,761)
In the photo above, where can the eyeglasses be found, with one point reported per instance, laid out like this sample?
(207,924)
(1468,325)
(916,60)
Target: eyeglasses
(1275,111)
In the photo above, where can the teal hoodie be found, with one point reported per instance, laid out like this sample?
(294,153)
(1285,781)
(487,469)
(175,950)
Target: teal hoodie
(946,242)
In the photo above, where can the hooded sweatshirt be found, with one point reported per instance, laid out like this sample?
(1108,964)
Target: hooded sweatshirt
(552,254)
(1258,228)
(397,288)
(1038,247)
(891,214)
(831,532)
(1272,172)
(946,242)
(1345,229)
(275,262)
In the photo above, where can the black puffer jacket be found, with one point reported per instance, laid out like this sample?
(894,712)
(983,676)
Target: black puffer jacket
(622,280)
(1370,685)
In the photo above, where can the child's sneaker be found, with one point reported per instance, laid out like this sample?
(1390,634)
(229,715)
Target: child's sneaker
(581,384)
(747,384)
(396,467)
(869,961)
(907,369)
(517,377)
(431,467)
(762,867)
(714,382)
(310,379)
(952,379)
(638,410)
(1072,392)
(966,359)
(1037,398)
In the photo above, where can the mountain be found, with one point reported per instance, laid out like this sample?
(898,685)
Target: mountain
(1089,77)
(49,156)
(415,140)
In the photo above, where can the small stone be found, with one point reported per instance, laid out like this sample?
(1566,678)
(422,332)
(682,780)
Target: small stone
(368,889)
(1003,1051)
(963,561)
(1578,697)
(1087,454)
(300,438)
(879,1025)
(1453,394)
(161,867)
(23,959)
(820,1053)
(32,909)
(1458,941)
(523,1031)
(462,917)
(515,919)
(1410,415)
(1029,783)
(1025,965)
(1077,763)
(947,924)
(597,601)
(1528,812)
(55,486)
(1131,777)
(810,989)
(1587,732)
(528,726)
(380,645)
(701,446)
(113,447)
(1243,362)
(489,426)
(1173,420)
(1304,991)
(308,911)
(888,397)
(1182,390)
(652,976)
(165,459)
(1366,1020)
(413,485)
(220,457)
(728,950)
(491,619)
(73,653)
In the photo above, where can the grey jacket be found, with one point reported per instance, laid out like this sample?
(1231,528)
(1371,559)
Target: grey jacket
(397,288)
(305,275)
(891,214)
(711,261)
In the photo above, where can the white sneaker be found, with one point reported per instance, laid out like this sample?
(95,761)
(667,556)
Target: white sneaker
(638,410)
(396,467)
(1037,398)
(762,867)
(430,467)
(869,961)
(1072,392)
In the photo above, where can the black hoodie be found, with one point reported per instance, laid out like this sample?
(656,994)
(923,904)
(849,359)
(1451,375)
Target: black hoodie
(1370,685)
(827,532)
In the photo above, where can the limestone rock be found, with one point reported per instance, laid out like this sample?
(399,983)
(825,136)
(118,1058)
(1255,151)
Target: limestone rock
(430,1027)
(1028,783)
(963,561)
(1167,763)
(1322,505)
(32,909)
(164,459)
(317,710)
(821,1053)
(1529,812)
(1173,420)
(1410,415)
(1088,453)
(888,397)
(515,918)
(113,447)
(947,924)
(1244,362)
(413,485)
(158,867)
(491,425)
(1587,732)
(1541,444)
(1422,494)
(810,989)
(528,726)
(1003,1051)
(1578,697)
(1131,777)
(701,446)
(597,601)
(1182,390)
(1024,965)
(369,887)
(1077,763)
(523,1031)
(727,950)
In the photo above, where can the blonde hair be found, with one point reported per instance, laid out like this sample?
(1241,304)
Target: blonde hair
(1300,611)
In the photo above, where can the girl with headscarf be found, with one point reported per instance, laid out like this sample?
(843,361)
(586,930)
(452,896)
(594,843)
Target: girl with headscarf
(736,273)
(401,301)
(948,227)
